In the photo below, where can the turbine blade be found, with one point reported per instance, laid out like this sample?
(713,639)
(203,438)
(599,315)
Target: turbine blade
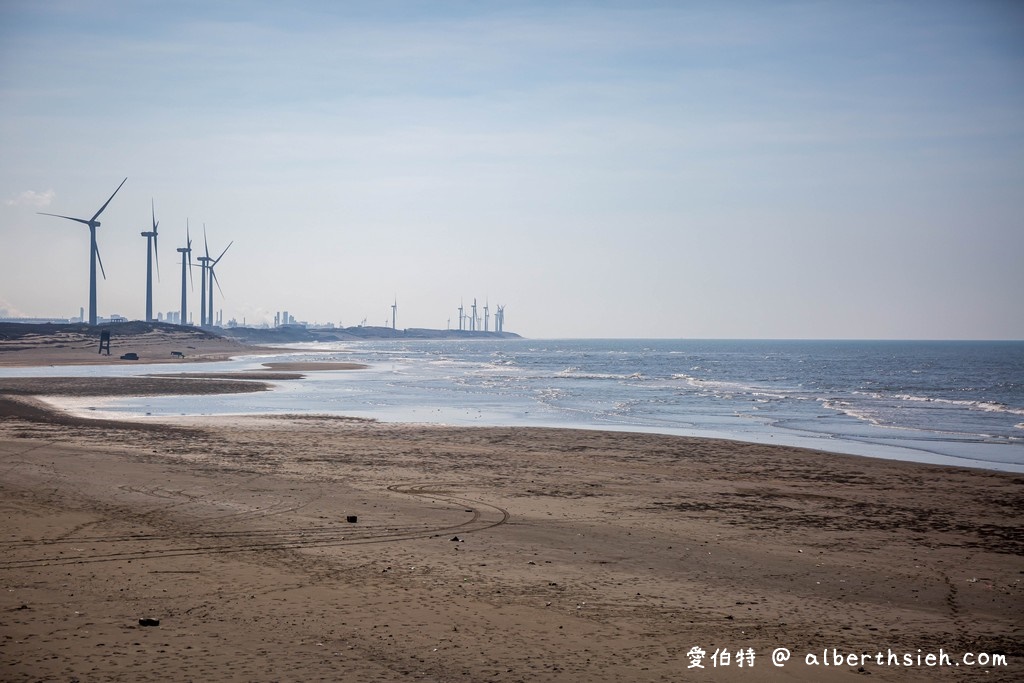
(108,201)
(79,220)
(98,258)
(206,245)
(213,276)
(156,245)
(222,254)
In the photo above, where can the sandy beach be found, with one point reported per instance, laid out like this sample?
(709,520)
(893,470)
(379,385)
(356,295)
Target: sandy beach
(310,548)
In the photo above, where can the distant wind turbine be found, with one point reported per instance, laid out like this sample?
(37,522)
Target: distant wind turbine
(204,262)
(394,312)
(151,249)
(186,267)
(213,278)
(94,251)
(499,319)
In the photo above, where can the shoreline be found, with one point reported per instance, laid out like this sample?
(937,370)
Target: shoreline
(77,407)
(52,355)
(69,393)
(491,553)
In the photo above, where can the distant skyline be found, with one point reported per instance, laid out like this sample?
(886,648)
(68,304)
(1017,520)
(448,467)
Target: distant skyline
(805,169)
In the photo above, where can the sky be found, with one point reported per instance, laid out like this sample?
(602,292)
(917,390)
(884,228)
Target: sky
(805,169)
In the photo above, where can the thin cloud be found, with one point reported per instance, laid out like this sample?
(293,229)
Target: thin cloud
(33,199)
(9,310)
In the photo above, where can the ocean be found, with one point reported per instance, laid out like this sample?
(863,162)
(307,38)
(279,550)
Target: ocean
(942,402)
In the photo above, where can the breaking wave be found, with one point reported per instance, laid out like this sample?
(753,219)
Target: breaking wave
(987,406)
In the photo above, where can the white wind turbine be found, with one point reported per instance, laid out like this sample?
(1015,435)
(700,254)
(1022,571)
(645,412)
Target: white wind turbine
(94,250)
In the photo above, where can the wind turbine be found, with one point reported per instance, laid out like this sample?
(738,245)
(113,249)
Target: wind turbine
(394,312)
(151,248)
(185,267)
(94,251)
(461,316)
(487,315)
(203,264)
(213,277)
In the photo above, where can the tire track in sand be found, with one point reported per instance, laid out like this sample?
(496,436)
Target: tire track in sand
(190,543)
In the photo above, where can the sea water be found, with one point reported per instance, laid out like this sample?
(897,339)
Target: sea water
(955,402)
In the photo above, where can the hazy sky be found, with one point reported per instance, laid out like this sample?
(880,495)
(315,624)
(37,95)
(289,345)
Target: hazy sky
(603,169)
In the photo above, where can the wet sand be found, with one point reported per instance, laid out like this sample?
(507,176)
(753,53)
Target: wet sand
(312,366)
(481,554)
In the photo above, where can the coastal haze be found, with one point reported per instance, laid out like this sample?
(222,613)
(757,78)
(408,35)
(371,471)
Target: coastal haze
(755,170)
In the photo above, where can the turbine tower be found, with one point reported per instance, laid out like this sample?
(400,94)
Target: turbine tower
(186,267)
(499,319)
(151,248)
(394,313)
(213,278)
(461,315)
(472,321)
(94,251)
(204,264)
(487,316)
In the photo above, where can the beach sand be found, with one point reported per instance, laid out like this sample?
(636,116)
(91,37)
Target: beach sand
(38,345)
(482,554)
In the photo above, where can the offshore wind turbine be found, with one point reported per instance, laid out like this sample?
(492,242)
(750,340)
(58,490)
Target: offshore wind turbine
(213,277)
(151,249)
(186,267)
(94,251)
(394,313)
(461,316)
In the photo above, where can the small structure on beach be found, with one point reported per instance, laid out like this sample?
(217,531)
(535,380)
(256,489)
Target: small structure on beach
(105,342)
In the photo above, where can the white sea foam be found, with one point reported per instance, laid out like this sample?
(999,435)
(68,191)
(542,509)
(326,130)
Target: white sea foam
(846,409)
(729,389)
(577,373)
(987,406)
